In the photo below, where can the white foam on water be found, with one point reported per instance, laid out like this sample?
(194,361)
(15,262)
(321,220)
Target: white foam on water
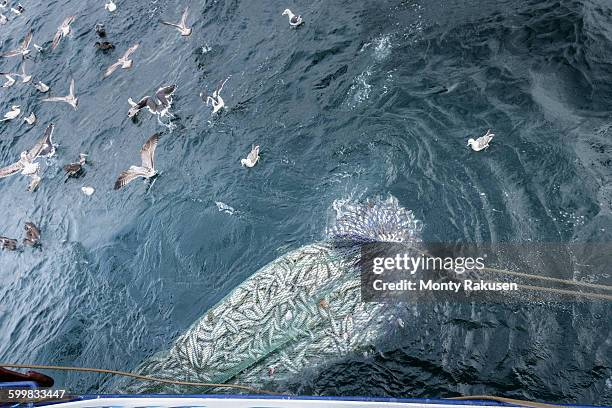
(360,90)
(382,47)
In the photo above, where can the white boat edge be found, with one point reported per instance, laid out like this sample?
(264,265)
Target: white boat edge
(254,402)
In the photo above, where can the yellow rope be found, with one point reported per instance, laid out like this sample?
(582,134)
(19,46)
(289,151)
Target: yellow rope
(522,403)
(546,278)
(139,377)
(528,404)
(568,292)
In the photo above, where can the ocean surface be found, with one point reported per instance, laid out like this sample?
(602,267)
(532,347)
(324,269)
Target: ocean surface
(366,98)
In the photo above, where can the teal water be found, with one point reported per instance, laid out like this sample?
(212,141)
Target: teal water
(364,99)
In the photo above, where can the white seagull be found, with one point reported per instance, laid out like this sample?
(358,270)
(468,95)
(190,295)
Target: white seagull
(3,19)
(124,62)
(146,170)
(110,6)
(181,26)
(23,49)
(62,31)
(482,142)
(252,157)
(216,100)
(31,119)
(27,164)
(25,78)
(12,114)
(70,99)
(41,87)
(10,81)
(294,20)
(18,9)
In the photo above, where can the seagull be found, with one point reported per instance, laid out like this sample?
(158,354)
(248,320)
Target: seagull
(27,164)
(70,99)
(3,19)
(123,62)
(12,114)
(41,87)
(18,9)
(104,45)
(252,157)
(75,170)
(110,6)
(147,170)
(10,81)
(31,119)
(88,190)
(181,26)
(217,101)
(159,104)
(8,244)
(294,20)
(32,235)
(62,31)
(23,49)
(25,78)
(482,142)
(3,3)
(100,30)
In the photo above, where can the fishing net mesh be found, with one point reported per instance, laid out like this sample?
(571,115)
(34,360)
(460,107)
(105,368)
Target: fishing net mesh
(301,310)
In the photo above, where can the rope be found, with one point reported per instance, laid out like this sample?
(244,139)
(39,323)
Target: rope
(557,280)
(522,403)
(139,377)
(568,292)
(546,278)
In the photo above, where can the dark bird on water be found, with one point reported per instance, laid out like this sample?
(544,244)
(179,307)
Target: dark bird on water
(100,30)
(75,170)
(32,235)
(8,244)
(104,45)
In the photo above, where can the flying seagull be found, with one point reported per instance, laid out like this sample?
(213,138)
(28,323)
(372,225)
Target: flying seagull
(23,49)
(27,164)
(10,80)
(62,31)
(25,78)
(482,142)
(10,76)
(159,104)
(181,26)
(70,99)
(252,157)
(146,170)
(124,62)
(294,20)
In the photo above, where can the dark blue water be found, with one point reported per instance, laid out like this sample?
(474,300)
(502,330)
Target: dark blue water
(366,98)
